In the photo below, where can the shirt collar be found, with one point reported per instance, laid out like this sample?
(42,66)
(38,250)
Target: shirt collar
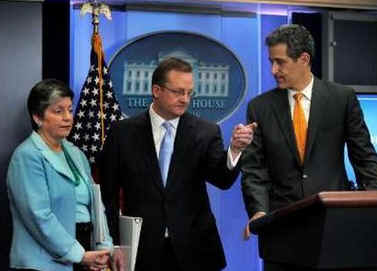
(157,120)
(307,91)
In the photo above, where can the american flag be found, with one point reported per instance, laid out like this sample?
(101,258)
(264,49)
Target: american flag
(94,114)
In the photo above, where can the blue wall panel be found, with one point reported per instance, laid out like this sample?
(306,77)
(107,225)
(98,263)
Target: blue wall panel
(368,103)
(269,23)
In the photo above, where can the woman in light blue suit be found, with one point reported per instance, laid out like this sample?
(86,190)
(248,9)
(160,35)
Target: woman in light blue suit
(50,191)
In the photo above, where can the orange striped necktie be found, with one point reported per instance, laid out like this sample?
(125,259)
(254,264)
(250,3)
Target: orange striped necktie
(300,126)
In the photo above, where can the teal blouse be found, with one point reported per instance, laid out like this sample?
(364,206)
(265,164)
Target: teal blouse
(81,189)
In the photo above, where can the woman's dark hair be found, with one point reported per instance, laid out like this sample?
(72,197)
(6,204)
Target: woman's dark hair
(297,38)
(43,94)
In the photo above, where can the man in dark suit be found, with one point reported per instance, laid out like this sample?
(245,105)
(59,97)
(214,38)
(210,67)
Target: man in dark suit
(303,125)
(179,230)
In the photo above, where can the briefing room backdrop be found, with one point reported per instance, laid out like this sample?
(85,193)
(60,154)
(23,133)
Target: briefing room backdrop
(241,32)
(241,28)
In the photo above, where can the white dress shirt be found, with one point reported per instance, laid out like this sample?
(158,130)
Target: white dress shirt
(159,131)
(305,100)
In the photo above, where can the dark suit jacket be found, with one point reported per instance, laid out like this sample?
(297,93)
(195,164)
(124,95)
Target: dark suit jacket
(272,174)
(129,161)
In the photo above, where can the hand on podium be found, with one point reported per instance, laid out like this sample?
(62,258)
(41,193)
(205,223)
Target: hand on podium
(247,233)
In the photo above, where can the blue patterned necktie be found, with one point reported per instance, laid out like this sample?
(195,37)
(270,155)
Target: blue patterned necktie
(166,150)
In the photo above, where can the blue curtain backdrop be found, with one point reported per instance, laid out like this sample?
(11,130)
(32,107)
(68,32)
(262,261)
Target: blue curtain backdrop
(368,104)
(243,35)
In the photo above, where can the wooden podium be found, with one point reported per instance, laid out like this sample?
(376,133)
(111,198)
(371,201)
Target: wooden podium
(327,231)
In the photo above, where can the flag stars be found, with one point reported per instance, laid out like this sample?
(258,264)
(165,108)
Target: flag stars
(101,115)
(89,118)
(95,137)
(109,95)
(80,114)
(97,126)
(76,137)
(78,126)
(116,107)
(83,103)
(113,117)
(95,91)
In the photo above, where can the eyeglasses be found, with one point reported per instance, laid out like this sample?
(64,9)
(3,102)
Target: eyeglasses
(179,93)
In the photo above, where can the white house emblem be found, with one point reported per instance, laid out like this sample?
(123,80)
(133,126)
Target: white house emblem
(218,75)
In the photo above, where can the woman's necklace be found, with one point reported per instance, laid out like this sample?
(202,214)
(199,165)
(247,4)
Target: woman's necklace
(72,166)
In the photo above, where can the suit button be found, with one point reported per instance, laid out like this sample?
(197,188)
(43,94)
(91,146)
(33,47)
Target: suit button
(304,176)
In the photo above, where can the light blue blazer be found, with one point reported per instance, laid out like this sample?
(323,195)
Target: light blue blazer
(43,205)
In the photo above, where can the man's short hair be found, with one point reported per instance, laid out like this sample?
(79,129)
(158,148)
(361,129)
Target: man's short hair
(159,76)
(297,38)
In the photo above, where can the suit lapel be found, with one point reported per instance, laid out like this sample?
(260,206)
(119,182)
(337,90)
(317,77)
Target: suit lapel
(146,142)
(283,115)
(182,141)
(50,156)
(317,109)
(74,154)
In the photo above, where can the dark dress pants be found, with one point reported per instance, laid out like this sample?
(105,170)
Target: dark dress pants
(83,234)
(169,259)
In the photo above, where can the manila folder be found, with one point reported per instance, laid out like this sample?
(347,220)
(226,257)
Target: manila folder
(129,233)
